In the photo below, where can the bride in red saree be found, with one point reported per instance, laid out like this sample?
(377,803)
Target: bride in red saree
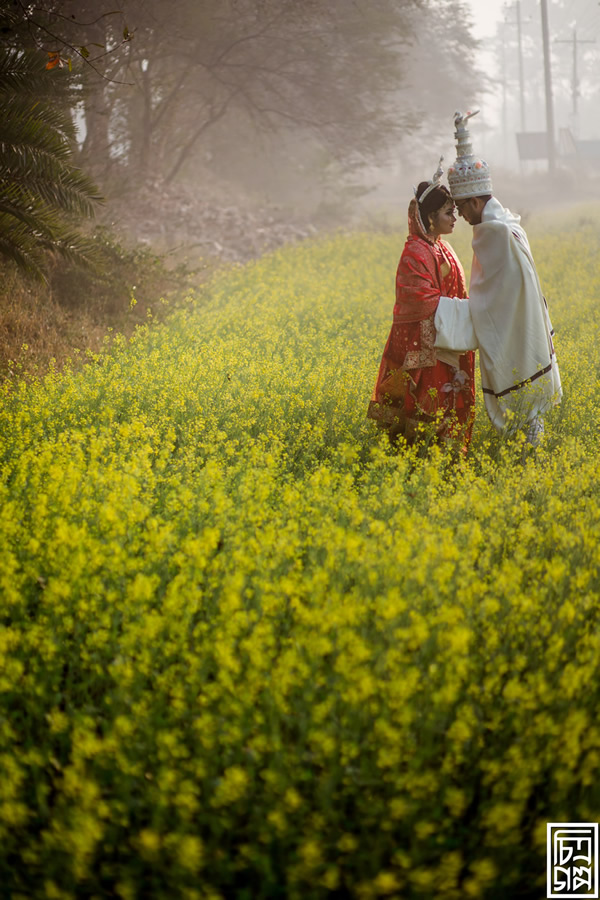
(420,389)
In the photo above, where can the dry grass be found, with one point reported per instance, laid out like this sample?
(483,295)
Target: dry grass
(35,328)
(43,325)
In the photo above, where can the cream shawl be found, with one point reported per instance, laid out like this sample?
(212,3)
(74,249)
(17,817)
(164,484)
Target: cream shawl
(509,316)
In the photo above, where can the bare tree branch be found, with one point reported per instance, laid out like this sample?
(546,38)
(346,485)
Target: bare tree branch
(214,117)
(65,43)
(73,21)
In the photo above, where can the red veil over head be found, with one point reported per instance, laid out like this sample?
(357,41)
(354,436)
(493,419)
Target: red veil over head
(415,222)
(419,276)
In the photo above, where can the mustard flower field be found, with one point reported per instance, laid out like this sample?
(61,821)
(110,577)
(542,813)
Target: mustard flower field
(249,651)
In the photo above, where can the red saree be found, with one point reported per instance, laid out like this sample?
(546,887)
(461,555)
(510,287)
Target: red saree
(414,388)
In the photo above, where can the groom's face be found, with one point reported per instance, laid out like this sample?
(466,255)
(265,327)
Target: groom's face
(470,209)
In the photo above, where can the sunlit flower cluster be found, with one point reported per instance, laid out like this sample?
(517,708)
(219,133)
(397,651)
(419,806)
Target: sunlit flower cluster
(247,650)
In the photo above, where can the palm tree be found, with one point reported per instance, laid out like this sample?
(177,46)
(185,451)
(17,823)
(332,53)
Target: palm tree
(42,194)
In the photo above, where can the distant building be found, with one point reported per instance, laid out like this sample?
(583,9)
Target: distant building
(533,145)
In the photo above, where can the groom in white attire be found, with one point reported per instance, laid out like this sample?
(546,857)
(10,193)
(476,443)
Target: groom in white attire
(506,307)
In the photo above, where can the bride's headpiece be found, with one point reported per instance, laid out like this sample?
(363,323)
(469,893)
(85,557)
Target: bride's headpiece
(431,185)
(435,182)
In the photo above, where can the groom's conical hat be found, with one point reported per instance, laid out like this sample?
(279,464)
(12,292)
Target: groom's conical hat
(470,175)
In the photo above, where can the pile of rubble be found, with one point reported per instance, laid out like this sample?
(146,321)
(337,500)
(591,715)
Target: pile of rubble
(178,220)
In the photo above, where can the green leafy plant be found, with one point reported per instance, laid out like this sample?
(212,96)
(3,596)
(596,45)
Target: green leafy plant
(43,196)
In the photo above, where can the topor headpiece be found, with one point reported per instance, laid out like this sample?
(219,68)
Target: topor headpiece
(470,175)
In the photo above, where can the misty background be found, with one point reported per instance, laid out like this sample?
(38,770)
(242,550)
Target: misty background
(229,126)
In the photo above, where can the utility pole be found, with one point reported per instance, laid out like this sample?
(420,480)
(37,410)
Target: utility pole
(548,88)
(517,7)
(521,76)
(575,77)
(504,103)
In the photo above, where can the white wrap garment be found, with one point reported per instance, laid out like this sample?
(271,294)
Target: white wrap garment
(507,318)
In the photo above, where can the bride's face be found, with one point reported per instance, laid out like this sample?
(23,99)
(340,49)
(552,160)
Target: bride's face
(443,220)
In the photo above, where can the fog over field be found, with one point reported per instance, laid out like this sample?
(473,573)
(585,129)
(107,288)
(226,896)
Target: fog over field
(316,112)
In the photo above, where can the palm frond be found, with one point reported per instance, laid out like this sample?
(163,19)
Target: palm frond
(41,191)
(34,120)
(40,176)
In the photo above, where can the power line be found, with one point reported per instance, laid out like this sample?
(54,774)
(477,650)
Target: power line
(575,42)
